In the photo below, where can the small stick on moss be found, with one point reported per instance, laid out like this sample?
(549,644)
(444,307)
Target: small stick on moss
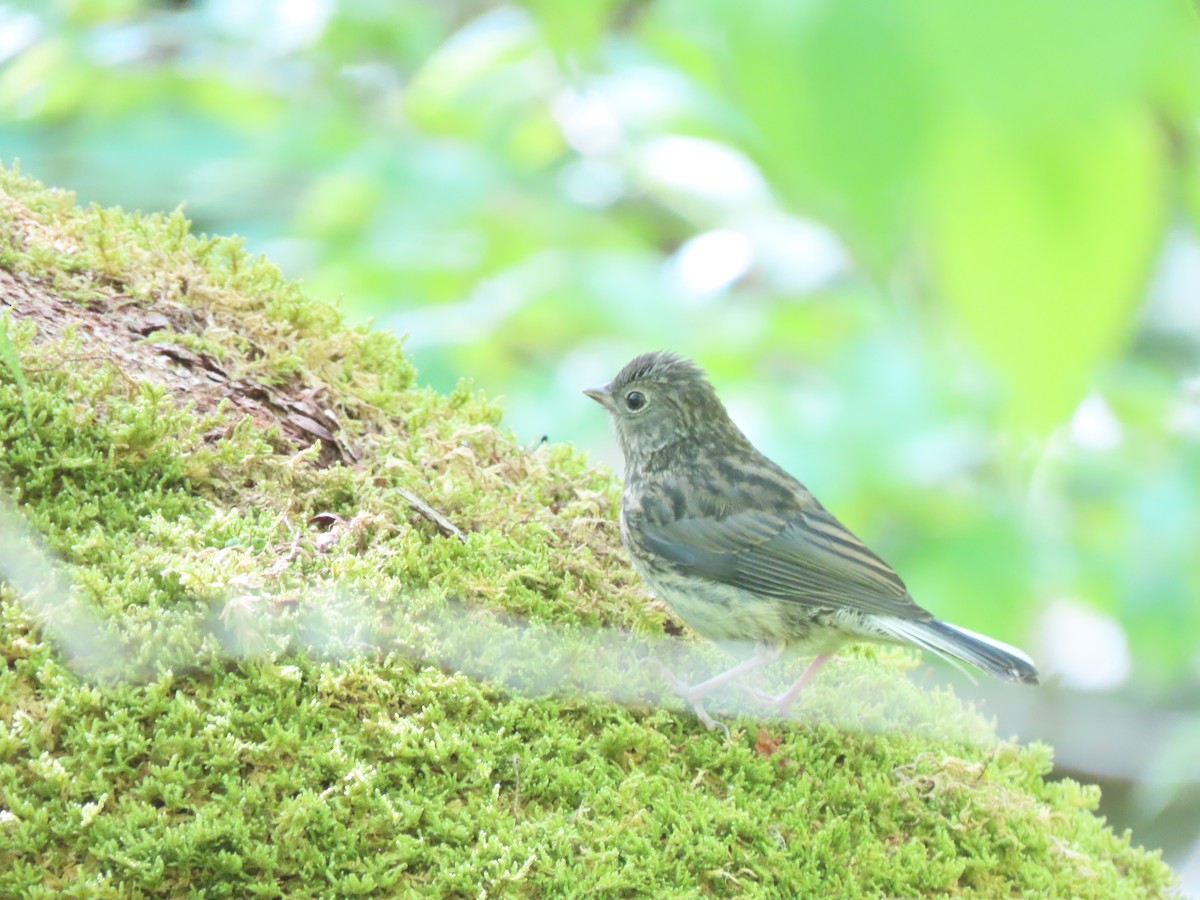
(444,525)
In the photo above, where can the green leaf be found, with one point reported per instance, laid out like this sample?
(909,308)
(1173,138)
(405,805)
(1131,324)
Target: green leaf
(836,94)
(572,28)
(1042,241)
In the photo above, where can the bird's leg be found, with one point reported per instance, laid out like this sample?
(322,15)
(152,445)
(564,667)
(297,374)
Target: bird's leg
(695,694)
(785,700)
(767,654)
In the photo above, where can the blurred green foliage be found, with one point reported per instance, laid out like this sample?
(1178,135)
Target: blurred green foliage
(941,259)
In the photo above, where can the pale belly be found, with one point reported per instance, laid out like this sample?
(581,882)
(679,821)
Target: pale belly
(723,613)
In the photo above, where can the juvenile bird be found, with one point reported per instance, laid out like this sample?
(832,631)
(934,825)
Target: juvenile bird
(742,551)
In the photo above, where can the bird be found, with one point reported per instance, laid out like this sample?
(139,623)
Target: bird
(742,551)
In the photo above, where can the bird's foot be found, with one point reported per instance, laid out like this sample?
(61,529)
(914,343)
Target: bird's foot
(784,702)
(758,695)
(709,722)
(693,695)
(780,704)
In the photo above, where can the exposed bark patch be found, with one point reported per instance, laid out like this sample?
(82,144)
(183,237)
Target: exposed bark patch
(135,338)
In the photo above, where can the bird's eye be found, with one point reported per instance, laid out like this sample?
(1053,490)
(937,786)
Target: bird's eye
(635,400)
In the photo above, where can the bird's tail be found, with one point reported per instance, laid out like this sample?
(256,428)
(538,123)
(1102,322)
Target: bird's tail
(954,643)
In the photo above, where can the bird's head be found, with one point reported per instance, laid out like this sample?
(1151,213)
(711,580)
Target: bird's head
(660,400)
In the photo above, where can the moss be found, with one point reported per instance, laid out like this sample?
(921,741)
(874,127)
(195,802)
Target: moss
(227,473)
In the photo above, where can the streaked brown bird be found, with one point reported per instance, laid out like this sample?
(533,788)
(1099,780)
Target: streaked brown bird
(742,551)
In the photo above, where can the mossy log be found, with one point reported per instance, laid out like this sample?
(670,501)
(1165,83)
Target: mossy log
(279,622)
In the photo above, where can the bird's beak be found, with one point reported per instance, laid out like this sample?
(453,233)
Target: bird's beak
(600,396)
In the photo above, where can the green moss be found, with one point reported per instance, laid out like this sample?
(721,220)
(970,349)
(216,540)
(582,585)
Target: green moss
(283,711)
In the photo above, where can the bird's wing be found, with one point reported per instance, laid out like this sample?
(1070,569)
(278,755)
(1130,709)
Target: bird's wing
(802,554)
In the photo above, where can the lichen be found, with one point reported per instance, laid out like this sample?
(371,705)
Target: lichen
(285,709)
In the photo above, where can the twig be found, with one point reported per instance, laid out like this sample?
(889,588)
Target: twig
(444,525)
